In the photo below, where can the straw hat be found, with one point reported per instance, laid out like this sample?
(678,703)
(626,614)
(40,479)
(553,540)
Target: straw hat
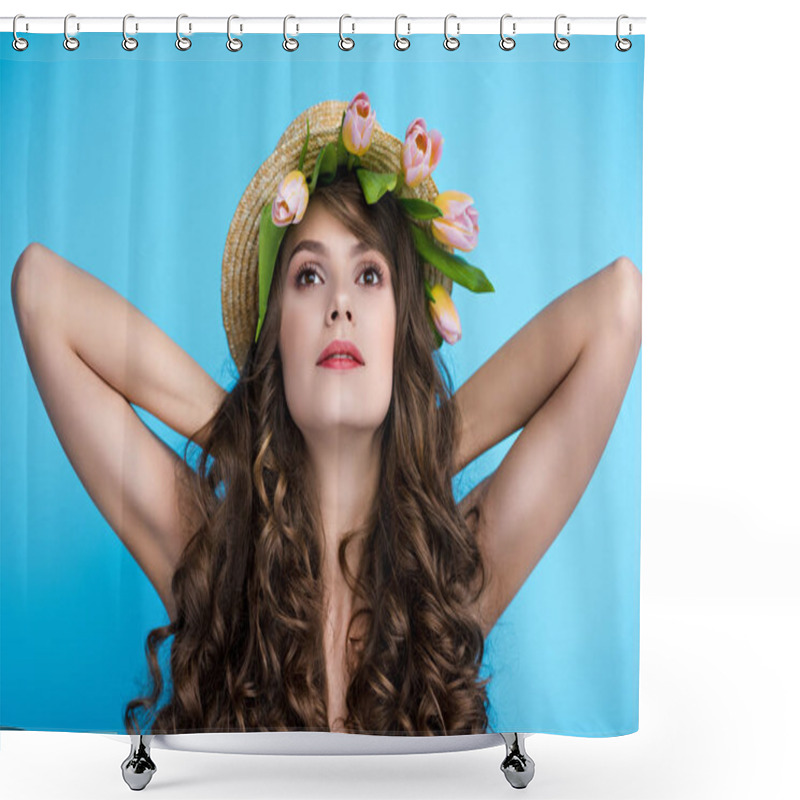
(240,259)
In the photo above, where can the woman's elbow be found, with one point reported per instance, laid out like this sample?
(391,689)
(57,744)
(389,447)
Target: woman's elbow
(26,281)
(628,312)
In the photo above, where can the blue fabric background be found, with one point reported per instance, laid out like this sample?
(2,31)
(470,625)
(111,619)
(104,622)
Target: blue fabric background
(131,166)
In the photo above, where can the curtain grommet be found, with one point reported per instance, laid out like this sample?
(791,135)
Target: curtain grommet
(623,45)
(70,42)
(401,42)
(451,42)
(289,44)
(345,42)
(182,42)
(129,43)
(507,42)
(561,43)
(233,44)
(18,43)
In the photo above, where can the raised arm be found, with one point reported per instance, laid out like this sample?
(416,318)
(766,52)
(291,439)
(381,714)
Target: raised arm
(92,354)
(561,378)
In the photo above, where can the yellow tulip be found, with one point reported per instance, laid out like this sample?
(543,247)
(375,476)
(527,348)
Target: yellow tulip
(291,201)
(458,225)
(421,152)
(444,314)
(359,121)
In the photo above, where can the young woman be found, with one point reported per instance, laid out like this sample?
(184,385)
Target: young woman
(317,572)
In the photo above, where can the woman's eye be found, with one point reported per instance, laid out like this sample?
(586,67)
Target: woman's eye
(372,268)
(302,273)
(377,272)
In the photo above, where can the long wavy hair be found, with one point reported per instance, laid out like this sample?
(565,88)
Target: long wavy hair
(247,653)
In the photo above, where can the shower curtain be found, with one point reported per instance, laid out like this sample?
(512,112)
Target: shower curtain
(130,166)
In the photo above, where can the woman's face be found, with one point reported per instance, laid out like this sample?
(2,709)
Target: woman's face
(335,288)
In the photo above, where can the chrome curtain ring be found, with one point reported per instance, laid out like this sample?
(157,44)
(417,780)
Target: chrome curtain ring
(233,44)
(623,45)
(400,42)
(181,42)
(561,43)
(345,42)
(18,42)
(507,42)
(70,42)
(128,42)
(451,42)
(289,43)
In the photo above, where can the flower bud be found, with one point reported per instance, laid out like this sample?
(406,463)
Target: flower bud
(359,121)
(458,225)
(444,314)
(422,150)
(291,201)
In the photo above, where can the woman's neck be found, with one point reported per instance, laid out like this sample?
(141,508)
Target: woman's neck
(346,473)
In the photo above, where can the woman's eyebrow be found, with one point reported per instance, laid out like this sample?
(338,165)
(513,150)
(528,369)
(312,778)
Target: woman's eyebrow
(315,246)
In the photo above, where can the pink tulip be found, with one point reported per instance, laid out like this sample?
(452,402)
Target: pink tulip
(291,201)
(359,121)
(444,314)
(422,150)
(458,225)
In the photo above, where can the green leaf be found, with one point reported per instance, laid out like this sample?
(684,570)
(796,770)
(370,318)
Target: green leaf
(429,293)
(324,166)
(269,240)
(420,209)
(400,181)
(455,267)
(328,168)
(375,184)
(437,336)
(341,150)
(305,145)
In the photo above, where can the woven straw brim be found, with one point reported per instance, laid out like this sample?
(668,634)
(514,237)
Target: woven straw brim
(240,259)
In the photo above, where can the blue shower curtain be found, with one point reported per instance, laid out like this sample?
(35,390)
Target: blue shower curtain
(131,164)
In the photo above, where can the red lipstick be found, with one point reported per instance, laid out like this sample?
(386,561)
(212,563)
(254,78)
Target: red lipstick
(340,354)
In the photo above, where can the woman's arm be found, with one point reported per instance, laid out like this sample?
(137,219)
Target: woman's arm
(115,339)
(562,378)
(91,354)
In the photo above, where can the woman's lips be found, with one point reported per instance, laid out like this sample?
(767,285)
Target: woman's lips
(341,347)
(340,362)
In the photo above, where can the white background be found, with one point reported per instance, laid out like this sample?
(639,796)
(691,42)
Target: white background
(719,601)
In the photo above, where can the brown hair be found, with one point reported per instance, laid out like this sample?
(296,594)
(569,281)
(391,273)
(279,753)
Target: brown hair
(247,652)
